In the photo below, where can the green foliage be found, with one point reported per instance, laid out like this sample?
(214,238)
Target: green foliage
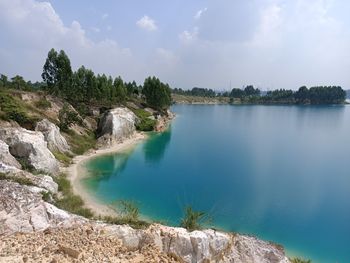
(46,196)
(145,122)
(129,214)
(43,103)
(193,220)
(67,117)
(19,83)
(299,260)
(129,210)
(13,109)
(20,180)
(199,92)
(63,157)
(157,94)
(138,224)
(25,164)
(69,201)
(57,73)
(81,143)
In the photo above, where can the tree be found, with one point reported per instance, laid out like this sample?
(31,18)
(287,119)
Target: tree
(3,80)
(157,94)
(250,91)
(18,82)
(236,93)
(57,72)
(119,90)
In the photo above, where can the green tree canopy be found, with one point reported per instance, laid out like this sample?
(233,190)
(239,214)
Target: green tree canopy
(157,94)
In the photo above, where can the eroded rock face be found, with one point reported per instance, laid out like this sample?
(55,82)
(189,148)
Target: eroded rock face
(6,158)
(116,125)
(31,146)
(200,246)
(23,210)
(55,141)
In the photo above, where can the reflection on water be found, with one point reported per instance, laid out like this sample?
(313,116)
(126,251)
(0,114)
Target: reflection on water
(155,147)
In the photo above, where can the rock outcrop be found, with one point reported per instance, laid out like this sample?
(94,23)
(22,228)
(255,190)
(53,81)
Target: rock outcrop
(55,141)
(6,158)
(23,210)
(200,246)
(116,125)
(30,146)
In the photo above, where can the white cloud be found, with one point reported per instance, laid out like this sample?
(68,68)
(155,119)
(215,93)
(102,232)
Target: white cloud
(200,13)
(105,16)
(30,29)
(188,37)
(147,23)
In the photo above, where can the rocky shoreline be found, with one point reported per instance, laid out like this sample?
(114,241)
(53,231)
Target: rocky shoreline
(33,229)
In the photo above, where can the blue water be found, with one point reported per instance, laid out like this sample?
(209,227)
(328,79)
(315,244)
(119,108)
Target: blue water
(278,172)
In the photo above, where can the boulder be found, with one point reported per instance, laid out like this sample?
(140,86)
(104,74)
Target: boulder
(116,125)
(30,146)
(6,158)
(22,210)
(55,141)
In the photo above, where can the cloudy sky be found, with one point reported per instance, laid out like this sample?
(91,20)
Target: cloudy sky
(206,43)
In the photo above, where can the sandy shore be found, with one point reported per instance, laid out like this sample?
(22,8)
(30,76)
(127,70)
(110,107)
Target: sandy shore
(77,171)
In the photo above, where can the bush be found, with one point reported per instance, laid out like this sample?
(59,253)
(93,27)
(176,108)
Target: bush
(67,117)
(43,104)
(145,123)
(193,220)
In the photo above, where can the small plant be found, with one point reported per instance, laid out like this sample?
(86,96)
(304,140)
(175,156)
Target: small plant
(129,210)
(46,196)
(43,103)
(20,180)
(193,220)
(299,260)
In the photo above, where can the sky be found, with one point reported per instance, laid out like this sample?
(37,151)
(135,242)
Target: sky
(218,44)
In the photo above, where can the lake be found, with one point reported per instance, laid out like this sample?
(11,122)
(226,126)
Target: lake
(278,172)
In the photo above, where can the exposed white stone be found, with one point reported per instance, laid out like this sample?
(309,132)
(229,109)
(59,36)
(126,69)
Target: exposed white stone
(31,146)
(55,141)
(116,125)
(5,156)
(23,210)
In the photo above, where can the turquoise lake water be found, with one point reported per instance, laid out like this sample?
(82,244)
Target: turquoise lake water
(278,172)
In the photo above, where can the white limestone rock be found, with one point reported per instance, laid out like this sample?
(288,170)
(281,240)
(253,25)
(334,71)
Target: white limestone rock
(6,158)
(116,125)
(31,146)
(55,141)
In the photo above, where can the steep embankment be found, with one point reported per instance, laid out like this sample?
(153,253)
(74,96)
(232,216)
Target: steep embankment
(34,229)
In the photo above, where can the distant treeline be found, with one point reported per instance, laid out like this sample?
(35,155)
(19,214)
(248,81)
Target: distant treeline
(200,92)
(84,87)
(313,95)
